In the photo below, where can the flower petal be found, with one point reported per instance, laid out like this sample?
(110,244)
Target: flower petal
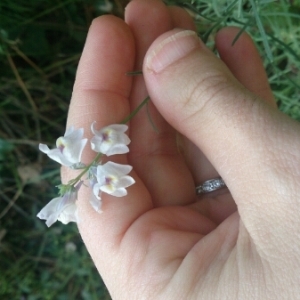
(108,189)
(96,190)
(44,148)
(113,169)
(49,212)
(69,214)
(110,140)
(120,192)
(56,155)
(117,149)
(69,147)
(125,181)
(96,203)
(74,134)
(118,127)
(73,150)
(113,179)
(63,208)
(69,130)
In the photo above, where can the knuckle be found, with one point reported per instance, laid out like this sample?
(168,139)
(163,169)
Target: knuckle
(206,95)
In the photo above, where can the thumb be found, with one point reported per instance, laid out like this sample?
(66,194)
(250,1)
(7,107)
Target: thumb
(198,95)
(243,137)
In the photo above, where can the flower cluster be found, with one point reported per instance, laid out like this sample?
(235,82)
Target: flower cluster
(110,178)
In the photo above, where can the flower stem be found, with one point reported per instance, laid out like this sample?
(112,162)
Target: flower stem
(75,180)
(133,73)
(145,101)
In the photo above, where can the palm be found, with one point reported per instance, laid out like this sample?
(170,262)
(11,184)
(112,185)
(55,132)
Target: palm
(160,234)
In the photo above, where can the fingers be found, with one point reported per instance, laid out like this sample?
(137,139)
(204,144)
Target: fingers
(154,155)
(238,132)
(101,94)
(181,18)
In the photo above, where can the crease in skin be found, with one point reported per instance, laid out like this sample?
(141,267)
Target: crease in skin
(212,268)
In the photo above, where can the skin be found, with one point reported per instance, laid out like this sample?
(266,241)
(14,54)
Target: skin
(161,241)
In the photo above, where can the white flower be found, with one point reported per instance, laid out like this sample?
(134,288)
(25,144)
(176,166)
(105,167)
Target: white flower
(95,199)
(63,208)
(69,148)
(110,140)
(96,202)
(112,179)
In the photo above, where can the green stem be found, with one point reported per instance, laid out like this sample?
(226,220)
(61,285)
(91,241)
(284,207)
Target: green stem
(75,180)
(136,110)
(133,73)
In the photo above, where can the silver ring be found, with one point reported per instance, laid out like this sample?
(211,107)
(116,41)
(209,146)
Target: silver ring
(210,186)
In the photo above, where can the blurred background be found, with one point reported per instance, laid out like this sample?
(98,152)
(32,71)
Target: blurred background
(40,46)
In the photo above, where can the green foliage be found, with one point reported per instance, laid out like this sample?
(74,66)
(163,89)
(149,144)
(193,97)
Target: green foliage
(5,147)
(40,45)
(47,264)
(273,25)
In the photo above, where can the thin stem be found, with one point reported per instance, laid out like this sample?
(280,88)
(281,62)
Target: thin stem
(133,73)
(75,180)
(150,119)
(145,101)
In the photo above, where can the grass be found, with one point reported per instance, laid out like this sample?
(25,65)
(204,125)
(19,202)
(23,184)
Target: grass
(40,45)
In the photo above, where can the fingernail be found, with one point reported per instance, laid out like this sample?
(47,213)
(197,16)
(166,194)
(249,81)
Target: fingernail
(172,49)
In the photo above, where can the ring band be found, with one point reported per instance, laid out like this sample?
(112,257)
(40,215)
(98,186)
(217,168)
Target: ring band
(210,186)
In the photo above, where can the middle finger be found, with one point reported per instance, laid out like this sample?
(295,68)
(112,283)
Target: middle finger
(155,156)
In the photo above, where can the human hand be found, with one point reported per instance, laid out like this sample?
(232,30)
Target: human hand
(161,241)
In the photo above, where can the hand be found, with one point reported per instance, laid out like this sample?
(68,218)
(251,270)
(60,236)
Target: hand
(161,241)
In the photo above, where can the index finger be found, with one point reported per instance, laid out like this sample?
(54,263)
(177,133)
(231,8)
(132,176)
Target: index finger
(101,87)
(101,94)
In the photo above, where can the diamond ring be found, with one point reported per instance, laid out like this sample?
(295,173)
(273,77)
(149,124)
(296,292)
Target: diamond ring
(210,185)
